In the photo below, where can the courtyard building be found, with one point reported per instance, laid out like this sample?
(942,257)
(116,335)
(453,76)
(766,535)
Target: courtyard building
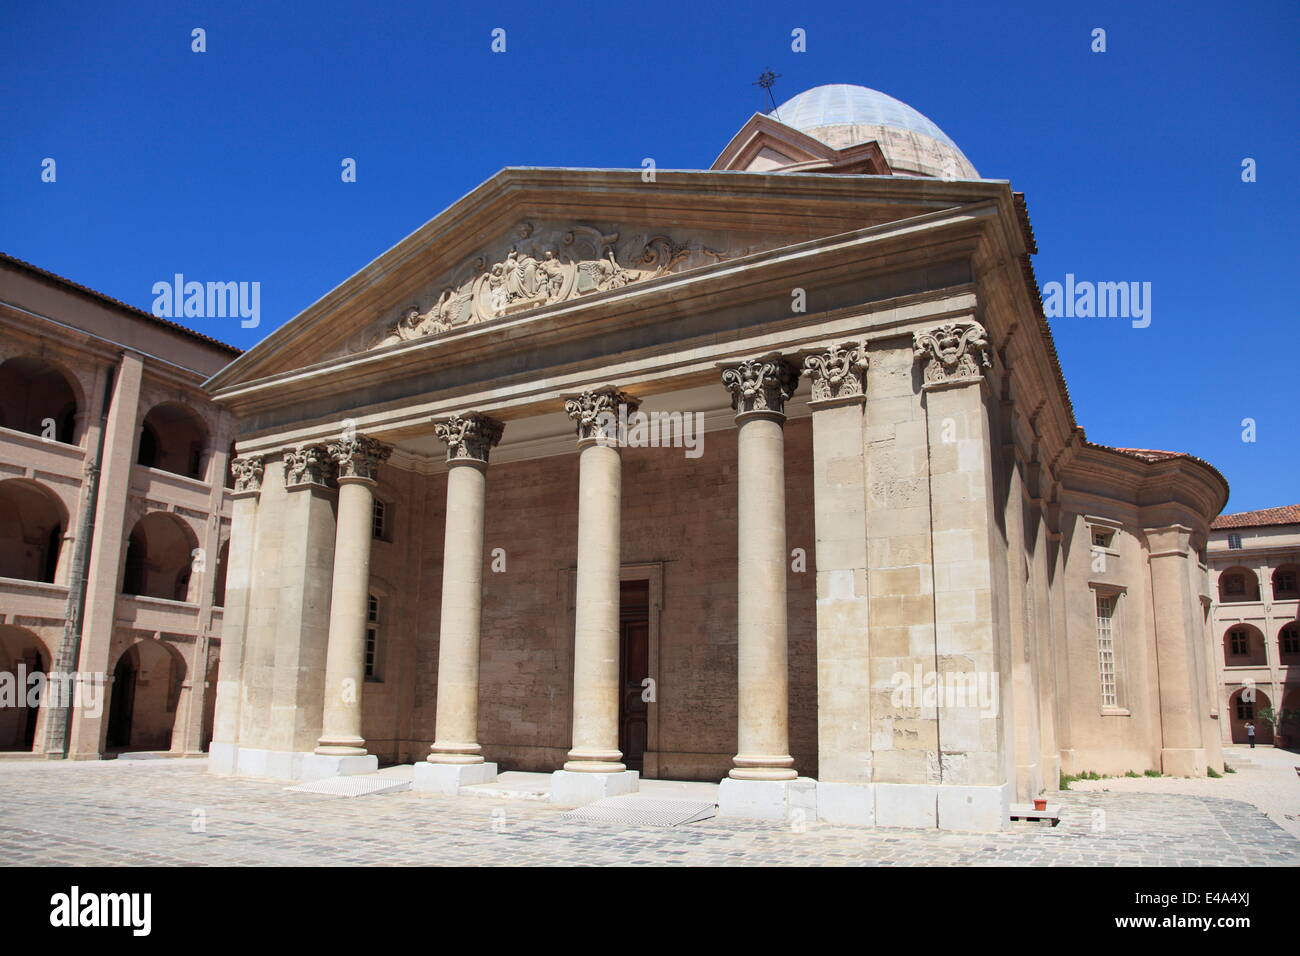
(1255,581)
(114,523)
(764,473)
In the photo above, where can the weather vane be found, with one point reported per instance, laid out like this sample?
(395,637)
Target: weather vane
(766,80)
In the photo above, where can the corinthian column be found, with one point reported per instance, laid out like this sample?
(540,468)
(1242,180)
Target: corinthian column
(358,459)
(469,439)
(759,390)
(595,752)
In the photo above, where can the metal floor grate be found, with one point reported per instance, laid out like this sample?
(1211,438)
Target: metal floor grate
(357,785)
(644,811)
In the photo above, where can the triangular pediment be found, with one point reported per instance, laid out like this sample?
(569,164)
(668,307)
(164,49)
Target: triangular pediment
(767,145)
(533,240)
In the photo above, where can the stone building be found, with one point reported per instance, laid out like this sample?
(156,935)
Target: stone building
(1255,569)
(766,472)
(114,517)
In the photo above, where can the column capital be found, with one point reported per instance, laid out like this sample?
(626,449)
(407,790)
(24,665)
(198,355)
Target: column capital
(358,457)
(838,375)
(954,353)
(761,386)
(307,466)
(595,414)
(470,437)
(247,472)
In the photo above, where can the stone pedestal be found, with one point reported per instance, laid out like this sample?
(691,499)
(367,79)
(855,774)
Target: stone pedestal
(319,766)
(570,789)
(777,800)
(448,778)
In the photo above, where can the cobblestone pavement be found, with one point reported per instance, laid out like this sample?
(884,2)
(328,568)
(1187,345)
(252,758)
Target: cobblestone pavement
(142,813)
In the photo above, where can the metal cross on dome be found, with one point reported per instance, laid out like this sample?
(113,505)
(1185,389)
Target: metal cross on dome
(766,80)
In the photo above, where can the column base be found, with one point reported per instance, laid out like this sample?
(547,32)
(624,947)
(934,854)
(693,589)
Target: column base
(576,789)
(767,799)
(448,778)
(319,766)
(272,764)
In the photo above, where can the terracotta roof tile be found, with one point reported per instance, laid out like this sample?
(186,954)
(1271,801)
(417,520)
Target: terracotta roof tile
(1286,514)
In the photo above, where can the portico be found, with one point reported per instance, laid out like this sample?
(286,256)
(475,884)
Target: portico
(442,517)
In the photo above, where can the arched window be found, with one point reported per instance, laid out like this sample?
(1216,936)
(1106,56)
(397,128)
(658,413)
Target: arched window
(1285,580)
(1238,584)
(1243,646)
(173,438)
(32,521)
(1288,640)
(37,398)
(159,558)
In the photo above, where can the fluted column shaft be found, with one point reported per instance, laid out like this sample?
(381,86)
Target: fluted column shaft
(596,632)
(468,440)
(759,390)
(345,660)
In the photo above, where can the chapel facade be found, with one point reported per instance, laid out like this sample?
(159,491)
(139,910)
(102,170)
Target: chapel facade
(765,473)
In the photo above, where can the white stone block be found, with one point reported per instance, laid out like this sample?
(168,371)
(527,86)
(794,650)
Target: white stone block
(980,809)
(448,778)
(767,799)
(319,766)
(271,764)
(571,789)
(847,803)
(912,805)
(222,758)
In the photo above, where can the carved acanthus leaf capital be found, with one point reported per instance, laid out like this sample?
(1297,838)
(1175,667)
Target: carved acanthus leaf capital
(307,465)
(953,352)
(596,413)
(469,437)
(247,472)
(358,456)
(840,372)
(761,385)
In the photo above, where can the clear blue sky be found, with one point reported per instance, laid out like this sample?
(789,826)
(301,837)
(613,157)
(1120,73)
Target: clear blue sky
(225,165)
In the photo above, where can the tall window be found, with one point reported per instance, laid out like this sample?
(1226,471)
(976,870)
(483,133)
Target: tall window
(1234,542)
(379,520)
(1284,582)
(1234,584)
(1245,708)
(1240,643)
(1106,649)
(1291,639)
(372,637)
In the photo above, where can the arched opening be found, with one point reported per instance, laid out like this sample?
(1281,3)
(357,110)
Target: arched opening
(21,656)
(1288,644)
(1243,646)
(173,439)
(1286,581)
(1238,584)
(32,522)
(159,558)
(37,398)
(1243,708)
(146,690)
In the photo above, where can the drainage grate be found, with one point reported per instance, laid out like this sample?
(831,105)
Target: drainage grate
(357,785)
(644,811)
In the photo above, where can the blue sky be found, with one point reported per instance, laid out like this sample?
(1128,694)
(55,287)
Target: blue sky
(225,165)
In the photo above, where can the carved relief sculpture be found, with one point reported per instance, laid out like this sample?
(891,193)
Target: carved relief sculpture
(953,352)
(541,269)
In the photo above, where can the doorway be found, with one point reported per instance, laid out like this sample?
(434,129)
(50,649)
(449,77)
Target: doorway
(634,668)
(123,703)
